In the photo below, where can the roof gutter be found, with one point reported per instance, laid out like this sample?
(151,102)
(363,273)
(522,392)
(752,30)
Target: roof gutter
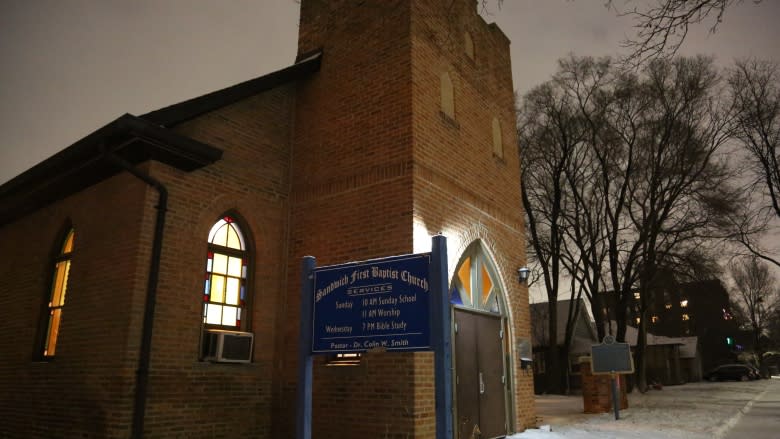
(144,355)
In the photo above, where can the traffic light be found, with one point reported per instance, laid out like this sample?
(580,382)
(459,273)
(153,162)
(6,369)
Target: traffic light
(729,341)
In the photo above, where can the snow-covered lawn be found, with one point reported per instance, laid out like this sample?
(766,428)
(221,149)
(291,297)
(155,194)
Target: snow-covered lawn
(691,411)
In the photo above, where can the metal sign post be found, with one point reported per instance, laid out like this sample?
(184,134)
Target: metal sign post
(441,327)
(614,359)
(615,394)
(399,303)
(303,421)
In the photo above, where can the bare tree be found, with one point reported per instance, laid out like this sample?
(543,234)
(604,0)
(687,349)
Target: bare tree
(755,94)
(621,178)
(548,133)
(678,190)
(758,297)
(662,27)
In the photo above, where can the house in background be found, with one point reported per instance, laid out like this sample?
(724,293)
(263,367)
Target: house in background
(670,360)
(583,337)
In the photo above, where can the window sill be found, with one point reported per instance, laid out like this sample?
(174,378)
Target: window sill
(449,120)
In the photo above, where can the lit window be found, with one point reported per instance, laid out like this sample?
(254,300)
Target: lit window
(637,320)
(59,286)
(668,306)
(348,359)
(224,293)
(686,317)
(684,303)
(636,295)
(654,319)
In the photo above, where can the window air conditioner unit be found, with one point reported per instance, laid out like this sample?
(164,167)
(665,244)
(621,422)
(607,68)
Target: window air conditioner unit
(227,346)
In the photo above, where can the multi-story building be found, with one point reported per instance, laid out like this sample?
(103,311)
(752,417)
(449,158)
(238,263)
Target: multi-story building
(700,308)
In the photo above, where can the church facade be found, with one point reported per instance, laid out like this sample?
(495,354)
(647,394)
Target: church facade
(152,272)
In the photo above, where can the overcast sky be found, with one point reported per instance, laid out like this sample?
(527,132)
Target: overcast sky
(71,66)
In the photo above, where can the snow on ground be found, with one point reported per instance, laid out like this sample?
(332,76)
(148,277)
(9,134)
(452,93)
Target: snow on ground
(690,411)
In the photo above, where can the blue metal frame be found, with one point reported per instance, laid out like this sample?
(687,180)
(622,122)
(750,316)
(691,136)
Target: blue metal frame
(441,341)
(441,337)
(303,421)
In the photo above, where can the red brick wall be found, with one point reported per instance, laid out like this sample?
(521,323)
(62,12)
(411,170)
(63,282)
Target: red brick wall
(352,199)
(460,187)
(372,158)
(190,398)
(346,165)
(86,390)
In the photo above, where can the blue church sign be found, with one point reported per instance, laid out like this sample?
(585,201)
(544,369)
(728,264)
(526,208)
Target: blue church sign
(379,304)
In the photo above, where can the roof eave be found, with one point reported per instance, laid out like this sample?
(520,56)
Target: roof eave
(84,163)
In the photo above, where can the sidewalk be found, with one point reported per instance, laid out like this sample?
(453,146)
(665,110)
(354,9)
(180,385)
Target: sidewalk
(691,411)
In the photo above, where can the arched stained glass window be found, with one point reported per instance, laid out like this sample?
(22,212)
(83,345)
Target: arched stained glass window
(59,286)
(224,292)
(475,283)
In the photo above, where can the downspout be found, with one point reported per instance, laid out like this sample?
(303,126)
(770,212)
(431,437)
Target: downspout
(142,373)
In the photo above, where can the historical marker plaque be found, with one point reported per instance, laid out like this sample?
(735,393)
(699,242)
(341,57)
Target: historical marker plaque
(611,357)
(379,304)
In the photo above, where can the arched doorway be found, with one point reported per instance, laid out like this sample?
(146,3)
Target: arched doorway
(480,345)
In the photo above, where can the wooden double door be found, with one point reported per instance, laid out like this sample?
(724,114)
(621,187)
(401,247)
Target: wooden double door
(480,376)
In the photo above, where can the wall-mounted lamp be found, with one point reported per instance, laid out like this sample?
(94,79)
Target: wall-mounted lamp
(522,274)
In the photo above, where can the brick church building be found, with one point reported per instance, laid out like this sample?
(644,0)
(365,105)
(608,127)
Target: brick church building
(132,257)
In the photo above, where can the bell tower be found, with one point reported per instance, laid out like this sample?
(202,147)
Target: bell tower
(407,130)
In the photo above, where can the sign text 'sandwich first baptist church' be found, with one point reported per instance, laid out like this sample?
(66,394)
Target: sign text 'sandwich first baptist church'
(151,273)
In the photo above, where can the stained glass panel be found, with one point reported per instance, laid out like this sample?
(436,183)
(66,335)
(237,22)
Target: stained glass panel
(220,238)
(217,288)
(229,315)
(60,284)
(232,238)
(231,293)
(455,297)
(53,331)
(220,263)
(487,284)
(234,267)
(214,314)
(464,275)
(68,246)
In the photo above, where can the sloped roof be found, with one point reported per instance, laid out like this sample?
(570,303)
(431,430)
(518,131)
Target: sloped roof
(584,328)
(688,345)
(174,114)
(134,139)
(86,163)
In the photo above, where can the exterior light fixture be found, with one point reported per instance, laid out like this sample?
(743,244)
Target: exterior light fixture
(522,274)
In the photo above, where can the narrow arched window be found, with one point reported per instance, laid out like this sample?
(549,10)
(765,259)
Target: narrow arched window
(59,287)
(447,96)
(224,293)
(498,143)
(468,45)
